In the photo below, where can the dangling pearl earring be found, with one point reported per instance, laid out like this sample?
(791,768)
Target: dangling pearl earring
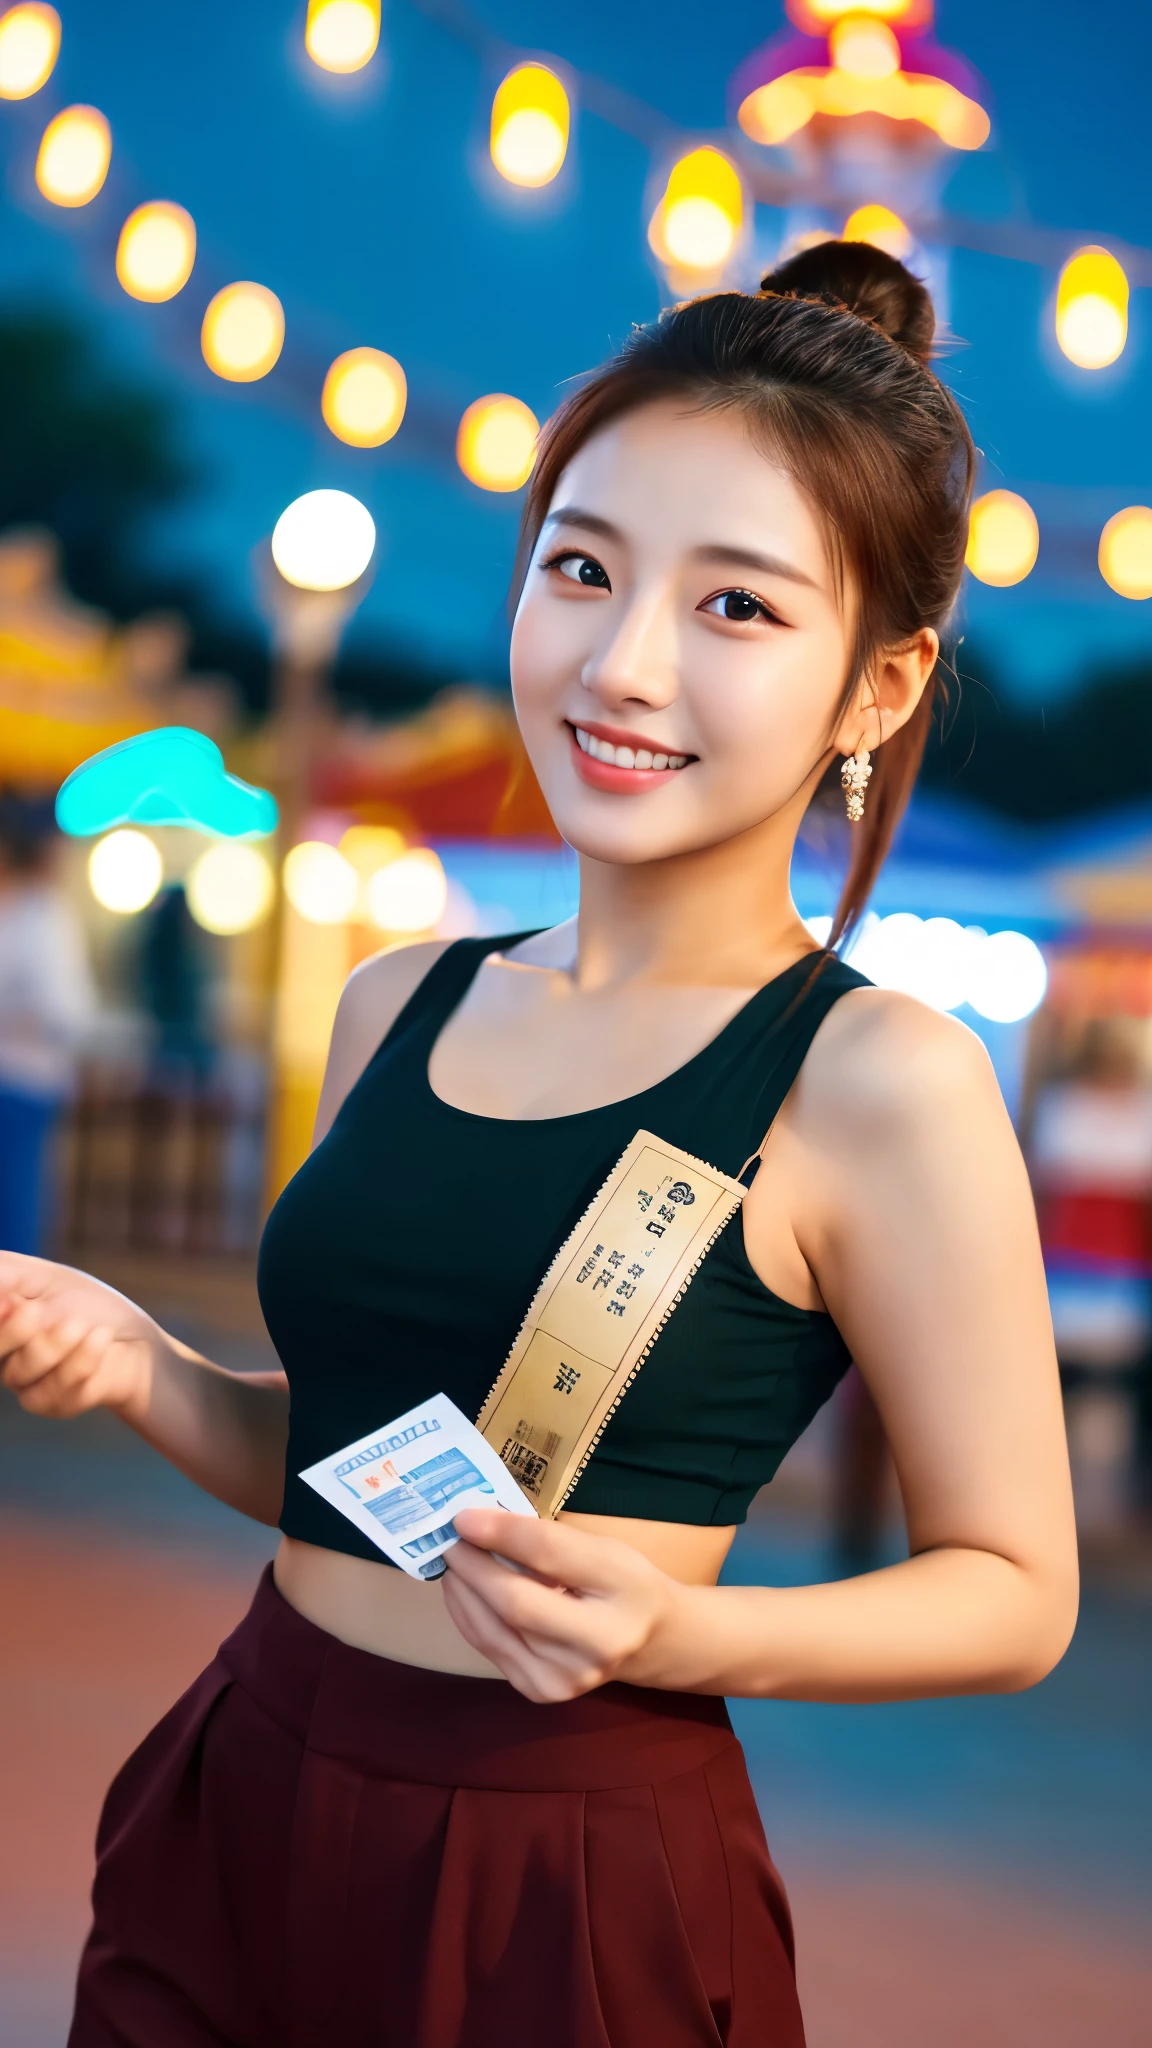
(854,782)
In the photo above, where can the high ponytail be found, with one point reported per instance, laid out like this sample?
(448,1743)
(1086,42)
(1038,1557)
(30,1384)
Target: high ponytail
(831,363)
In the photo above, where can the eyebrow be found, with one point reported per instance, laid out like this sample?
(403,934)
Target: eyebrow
(591,522)
(718,553)
(747,558)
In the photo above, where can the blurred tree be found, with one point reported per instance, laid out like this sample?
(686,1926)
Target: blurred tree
(1039,761)
(95,457)
(84,454)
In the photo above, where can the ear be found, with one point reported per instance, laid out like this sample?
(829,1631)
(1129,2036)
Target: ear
(888,694)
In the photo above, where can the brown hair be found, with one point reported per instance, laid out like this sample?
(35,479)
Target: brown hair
(830,361)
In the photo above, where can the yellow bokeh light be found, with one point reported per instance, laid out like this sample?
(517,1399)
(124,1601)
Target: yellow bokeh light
(697,223)
(1125,555)
(531,120)
(369,848)
(341,35)
(74,155)
(124,871)
(864,48)
(29,47)
(243,332)
(364,396)
(777,111)
(1092,309)
(230,888)
(156,251)
(1003,539)
(496,442)
(320,883)
(410,894)
(882,228)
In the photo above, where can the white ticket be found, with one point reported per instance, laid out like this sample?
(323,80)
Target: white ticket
(402,1484)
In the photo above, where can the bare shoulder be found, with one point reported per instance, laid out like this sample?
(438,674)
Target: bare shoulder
(883,1065)
(374,995)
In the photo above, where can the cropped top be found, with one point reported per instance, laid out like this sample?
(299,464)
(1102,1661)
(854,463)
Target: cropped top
(400,1260)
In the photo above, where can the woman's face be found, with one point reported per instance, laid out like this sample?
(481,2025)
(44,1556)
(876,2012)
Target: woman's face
(680,651)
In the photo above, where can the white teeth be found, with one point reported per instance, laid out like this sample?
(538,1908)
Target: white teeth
(625,757)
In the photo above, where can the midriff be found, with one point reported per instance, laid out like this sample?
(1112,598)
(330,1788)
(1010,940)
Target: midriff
(375,1608)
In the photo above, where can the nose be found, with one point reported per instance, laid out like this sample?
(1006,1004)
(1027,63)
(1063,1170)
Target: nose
(636,662)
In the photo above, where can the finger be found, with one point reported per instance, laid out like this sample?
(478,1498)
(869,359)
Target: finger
(19,1320)
(20,1273)
(74,1385)
(530,1670)
(523,1604)
(44,1349)
(569,1557)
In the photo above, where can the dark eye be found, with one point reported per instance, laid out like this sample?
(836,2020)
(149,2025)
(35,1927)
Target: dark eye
(581,569)
(739,605)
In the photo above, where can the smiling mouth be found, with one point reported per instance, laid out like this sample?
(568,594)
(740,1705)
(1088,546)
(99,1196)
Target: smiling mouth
(640,759)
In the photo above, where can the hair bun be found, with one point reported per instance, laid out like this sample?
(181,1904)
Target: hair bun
(869,283)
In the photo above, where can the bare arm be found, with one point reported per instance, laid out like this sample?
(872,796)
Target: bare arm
(68,1343)
(896,1173)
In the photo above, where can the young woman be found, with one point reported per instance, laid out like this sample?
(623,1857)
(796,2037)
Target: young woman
(510,1805)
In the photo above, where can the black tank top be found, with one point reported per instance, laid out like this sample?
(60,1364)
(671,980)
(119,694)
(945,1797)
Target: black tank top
(400,1260)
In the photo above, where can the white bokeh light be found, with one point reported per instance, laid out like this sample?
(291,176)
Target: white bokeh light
(230,888)
(1002,977)
(1007,978)
(410,894)
(324,540)
(320,883)
(125,869)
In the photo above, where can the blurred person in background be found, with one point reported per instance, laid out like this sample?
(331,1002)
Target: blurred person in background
(46,1005)
(1090,1154)
(497,1803)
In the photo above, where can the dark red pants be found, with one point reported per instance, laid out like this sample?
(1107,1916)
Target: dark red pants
(317,1845)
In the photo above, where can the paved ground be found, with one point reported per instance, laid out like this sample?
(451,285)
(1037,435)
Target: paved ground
(971,1874)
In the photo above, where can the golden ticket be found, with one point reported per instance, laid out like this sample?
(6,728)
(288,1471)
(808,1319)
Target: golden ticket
(599,1310)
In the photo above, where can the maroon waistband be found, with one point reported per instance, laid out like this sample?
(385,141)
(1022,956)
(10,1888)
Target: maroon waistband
(397,1721)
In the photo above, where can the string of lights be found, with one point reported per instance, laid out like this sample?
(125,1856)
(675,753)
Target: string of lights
(703,193)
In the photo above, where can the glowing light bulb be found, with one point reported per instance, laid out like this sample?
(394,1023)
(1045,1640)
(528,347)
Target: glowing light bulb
(323,541)
(1003,539)
(1092,309)
(864,48)
(410,894)
(320,883)
(124,871)
(496,442)
(696,225)
(823,11)
(156,251)
(230,888)
(243,332)
(364,396)
(880,227)
(1126,552)
(74,155)
(341,35)
(531,119)
(29,47)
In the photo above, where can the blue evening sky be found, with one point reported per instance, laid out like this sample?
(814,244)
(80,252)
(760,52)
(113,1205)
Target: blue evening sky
(367,207)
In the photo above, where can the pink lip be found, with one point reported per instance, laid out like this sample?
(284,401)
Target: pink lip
(619,781)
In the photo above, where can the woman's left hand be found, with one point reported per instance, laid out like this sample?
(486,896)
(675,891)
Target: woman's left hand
(579,1611)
